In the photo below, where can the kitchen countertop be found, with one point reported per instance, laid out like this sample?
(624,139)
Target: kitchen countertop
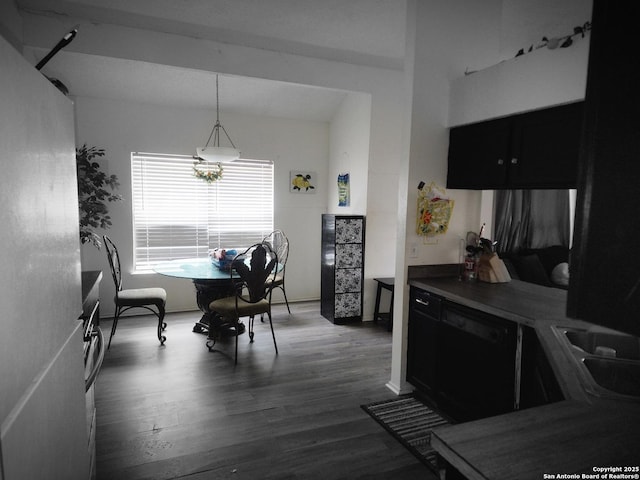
(565,437)
(518,301)
(531,442)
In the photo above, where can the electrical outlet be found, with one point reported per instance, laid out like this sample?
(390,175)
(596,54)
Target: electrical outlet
(413,250)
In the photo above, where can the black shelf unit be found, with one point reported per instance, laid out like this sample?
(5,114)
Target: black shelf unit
(342,267)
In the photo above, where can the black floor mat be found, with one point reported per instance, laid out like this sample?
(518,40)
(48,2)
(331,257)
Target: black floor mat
(410,421)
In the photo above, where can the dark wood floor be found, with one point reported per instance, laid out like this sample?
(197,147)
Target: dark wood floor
(180,411)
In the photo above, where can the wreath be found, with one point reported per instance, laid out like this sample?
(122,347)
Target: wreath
(210,173)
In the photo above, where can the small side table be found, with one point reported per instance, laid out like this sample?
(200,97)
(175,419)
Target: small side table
(387,284)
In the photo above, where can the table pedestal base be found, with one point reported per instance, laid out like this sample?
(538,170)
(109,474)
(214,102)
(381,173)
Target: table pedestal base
(211,322)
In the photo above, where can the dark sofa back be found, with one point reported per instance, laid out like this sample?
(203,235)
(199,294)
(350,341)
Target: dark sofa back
(536,265)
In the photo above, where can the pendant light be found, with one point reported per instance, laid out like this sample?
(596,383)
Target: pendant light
(216,153)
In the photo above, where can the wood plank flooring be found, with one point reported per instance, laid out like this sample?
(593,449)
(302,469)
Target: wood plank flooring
(180,411)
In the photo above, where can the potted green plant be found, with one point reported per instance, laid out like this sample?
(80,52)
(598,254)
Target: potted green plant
(93,195)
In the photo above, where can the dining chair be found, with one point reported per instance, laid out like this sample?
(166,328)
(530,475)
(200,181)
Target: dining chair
(126,299)
(252,275)
(279,243)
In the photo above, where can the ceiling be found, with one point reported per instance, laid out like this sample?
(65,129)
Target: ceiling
(128,80)
(368,32)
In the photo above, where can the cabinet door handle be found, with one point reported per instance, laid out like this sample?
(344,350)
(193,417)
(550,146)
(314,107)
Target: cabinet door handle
(514,161)
(422,302)
(500,161)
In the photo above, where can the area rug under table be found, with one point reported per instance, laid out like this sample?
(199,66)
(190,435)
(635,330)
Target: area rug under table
(410,421)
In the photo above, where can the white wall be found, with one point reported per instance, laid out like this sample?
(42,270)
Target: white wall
(538,79)
(349,139)
(363,145)
(123,127)
(463,39)
(525,22)
(542,78)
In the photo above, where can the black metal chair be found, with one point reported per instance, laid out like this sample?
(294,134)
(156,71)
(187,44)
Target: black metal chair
(279,243)
(252,274)
(126,299)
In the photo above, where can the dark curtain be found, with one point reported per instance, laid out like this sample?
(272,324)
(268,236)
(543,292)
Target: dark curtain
(531,219)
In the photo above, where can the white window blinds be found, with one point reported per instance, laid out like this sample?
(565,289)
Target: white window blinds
(176,215)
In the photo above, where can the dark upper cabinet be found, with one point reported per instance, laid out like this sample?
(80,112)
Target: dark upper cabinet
(478,155)
(547,148)
(538,149)
(605,269)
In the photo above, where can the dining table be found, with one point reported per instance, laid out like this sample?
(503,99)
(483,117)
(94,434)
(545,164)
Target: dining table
(211,283)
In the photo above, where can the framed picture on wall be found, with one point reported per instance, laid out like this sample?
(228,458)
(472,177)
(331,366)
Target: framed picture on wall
(302,182)
(344,190)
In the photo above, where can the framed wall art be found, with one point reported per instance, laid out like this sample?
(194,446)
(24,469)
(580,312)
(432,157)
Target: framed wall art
(434,210)
(302,182)
(344,192)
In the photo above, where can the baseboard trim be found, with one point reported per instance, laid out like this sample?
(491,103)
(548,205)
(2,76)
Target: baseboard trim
(400,390)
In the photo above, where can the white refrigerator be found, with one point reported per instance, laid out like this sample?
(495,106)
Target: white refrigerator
(43,429)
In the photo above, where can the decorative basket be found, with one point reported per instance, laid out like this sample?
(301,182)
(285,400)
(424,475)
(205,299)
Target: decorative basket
(222,258)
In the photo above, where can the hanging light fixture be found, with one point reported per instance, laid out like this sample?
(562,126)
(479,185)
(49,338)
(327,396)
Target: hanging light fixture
(214,153)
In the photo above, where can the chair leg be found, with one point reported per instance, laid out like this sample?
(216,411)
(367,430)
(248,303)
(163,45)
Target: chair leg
(237,335)
(116,315)
(161,325)
(251,333)
(270,296)
(272,332)
(285,299)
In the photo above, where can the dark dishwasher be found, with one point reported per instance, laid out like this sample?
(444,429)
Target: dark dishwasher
(475,363)
(424,318)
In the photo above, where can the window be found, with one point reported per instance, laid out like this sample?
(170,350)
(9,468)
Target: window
(176,215)
(532,219)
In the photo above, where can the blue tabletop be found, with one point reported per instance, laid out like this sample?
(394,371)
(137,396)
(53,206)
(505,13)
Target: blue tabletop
(192,268)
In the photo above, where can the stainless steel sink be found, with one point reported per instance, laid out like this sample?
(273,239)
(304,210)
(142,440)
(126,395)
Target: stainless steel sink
(608,361)
(618,376)
(605,343)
